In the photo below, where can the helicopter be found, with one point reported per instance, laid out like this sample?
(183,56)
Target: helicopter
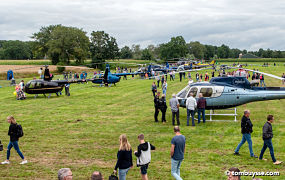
(227,92)
(47,85)
(106,78)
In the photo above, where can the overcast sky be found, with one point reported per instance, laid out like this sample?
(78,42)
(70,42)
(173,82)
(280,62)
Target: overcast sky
(240,24)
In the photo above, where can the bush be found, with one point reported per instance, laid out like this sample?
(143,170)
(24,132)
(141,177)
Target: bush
(60,69)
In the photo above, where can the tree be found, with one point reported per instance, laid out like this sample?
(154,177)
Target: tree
(137,52)
(223,51)
(15,50)
(102,47)
(234,53)
(146,55)
(126,53)
(42,38)
(68,43)
(197,49)
(61,44)
(176,48)
(210,52)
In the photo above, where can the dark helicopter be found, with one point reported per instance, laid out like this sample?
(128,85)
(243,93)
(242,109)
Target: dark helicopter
(47,85)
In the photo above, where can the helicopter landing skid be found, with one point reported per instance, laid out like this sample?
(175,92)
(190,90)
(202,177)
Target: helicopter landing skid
(212,113)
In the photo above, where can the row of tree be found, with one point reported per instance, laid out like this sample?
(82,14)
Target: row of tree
(62,44)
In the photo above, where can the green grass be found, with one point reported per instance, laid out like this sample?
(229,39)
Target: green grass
(264,60)
(81,132)
(25,62)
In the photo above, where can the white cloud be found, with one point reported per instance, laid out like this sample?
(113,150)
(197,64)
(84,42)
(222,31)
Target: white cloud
(238,23)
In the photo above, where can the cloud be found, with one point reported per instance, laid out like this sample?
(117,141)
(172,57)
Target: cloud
(240,24)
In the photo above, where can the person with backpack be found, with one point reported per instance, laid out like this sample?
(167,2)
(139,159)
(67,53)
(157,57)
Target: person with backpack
(143,155)
(15,132)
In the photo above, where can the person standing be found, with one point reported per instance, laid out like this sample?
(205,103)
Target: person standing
(180,75)
(66,87)
(267,136)
(201,105)
(143,155)
(189,76)
(283,76)
(171,77)
(158,80)
(213,74)
(174,105)
(14,130)
(153,88)
(163,107)
(162,80)
(197,76)
(177,152)
(40,72)
(124,158)
(191,104)
(246,130)
(164,87)
(262,80)
(156,106)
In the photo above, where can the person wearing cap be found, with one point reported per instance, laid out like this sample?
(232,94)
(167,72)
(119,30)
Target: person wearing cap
(174,105)
(267,136)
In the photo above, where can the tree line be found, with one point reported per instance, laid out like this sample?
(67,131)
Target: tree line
(62,44)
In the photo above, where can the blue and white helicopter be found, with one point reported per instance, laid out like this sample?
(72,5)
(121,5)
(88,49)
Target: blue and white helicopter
(227,92)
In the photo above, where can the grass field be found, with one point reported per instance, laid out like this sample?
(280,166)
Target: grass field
(82,131)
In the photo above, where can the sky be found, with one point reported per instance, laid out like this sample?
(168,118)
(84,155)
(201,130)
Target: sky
(239,24)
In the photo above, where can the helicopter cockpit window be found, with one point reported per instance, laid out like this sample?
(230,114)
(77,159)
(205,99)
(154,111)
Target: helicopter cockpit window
(194,91)
(207,92)
(183,93)
(32,85)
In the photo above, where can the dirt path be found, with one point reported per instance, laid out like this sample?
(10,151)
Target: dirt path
(35,68)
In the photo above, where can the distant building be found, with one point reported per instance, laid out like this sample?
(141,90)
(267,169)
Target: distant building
(240,55)
(248,55)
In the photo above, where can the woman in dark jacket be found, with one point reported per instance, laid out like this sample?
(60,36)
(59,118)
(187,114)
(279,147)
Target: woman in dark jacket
(124,156)
(13,133)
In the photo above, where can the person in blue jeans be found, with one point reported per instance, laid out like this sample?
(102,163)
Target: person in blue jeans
(177,152)
(201,105)
(13,133)
(191,104)
(267,136)
(124,156)
(246,130)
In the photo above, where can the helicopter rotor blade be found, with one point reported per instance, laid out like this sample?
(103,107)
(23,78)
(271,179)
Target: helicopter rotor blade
(267,74)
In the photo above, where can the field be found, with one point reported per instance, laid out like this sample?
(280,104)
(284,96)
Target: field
(82,132)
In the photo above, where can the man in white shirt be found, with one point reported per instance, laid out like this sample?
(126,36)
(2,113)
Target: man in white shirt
(191,104)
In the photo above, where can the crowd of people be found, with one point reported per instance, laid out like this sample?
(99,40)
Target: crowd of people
(143,153)
(192,106)
(178,143)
